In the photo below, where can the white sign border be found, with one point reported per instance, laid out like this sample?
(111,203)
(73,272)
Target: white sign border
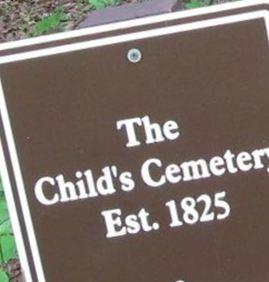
(9,135)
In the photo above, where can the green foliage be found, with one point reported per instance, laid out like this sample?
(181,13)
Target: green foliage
(50,23)
(100,4)
(192,4)
(3,276)
(3,210)
(7,242)
(1,189)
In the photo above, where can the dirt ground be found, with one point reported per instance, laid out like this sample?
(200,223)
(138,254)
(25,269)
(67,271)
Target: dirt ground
(18,18)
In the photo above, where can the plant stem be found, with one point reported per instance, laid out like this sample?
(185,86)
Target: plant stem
(1,251)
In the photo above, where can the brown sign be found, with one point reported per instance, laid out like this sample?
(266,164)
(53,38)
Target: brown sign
(141,155)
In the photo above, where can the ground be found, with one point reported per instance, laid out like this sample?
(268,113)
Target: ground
(25,18)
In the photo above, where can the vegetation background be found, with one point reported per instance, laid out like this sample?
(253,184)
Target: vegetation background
(26,18)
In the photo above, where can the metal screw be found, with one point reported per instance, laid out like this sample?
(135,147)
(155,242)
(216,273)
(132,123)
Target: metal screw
(134,55)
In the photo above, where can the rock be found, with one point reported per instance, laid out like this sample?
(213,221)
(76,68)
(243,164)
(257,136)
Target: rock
(131,11)
(13,269)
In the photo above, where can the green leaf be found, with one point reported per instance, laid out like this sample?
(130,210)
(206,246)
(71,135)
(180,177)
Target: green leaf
(100,4)
(97,4)
(3,210)
(3,276)
(197,4)
(2,195)
(7,242)
(8,248)
(5,227)
(49,23)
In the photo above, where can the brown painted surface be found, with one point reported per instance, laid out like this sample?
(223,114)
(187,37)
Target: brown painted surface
(214,83)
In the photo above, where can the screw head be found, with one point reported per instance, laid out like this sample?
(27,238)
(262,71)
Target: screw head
(134,55)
